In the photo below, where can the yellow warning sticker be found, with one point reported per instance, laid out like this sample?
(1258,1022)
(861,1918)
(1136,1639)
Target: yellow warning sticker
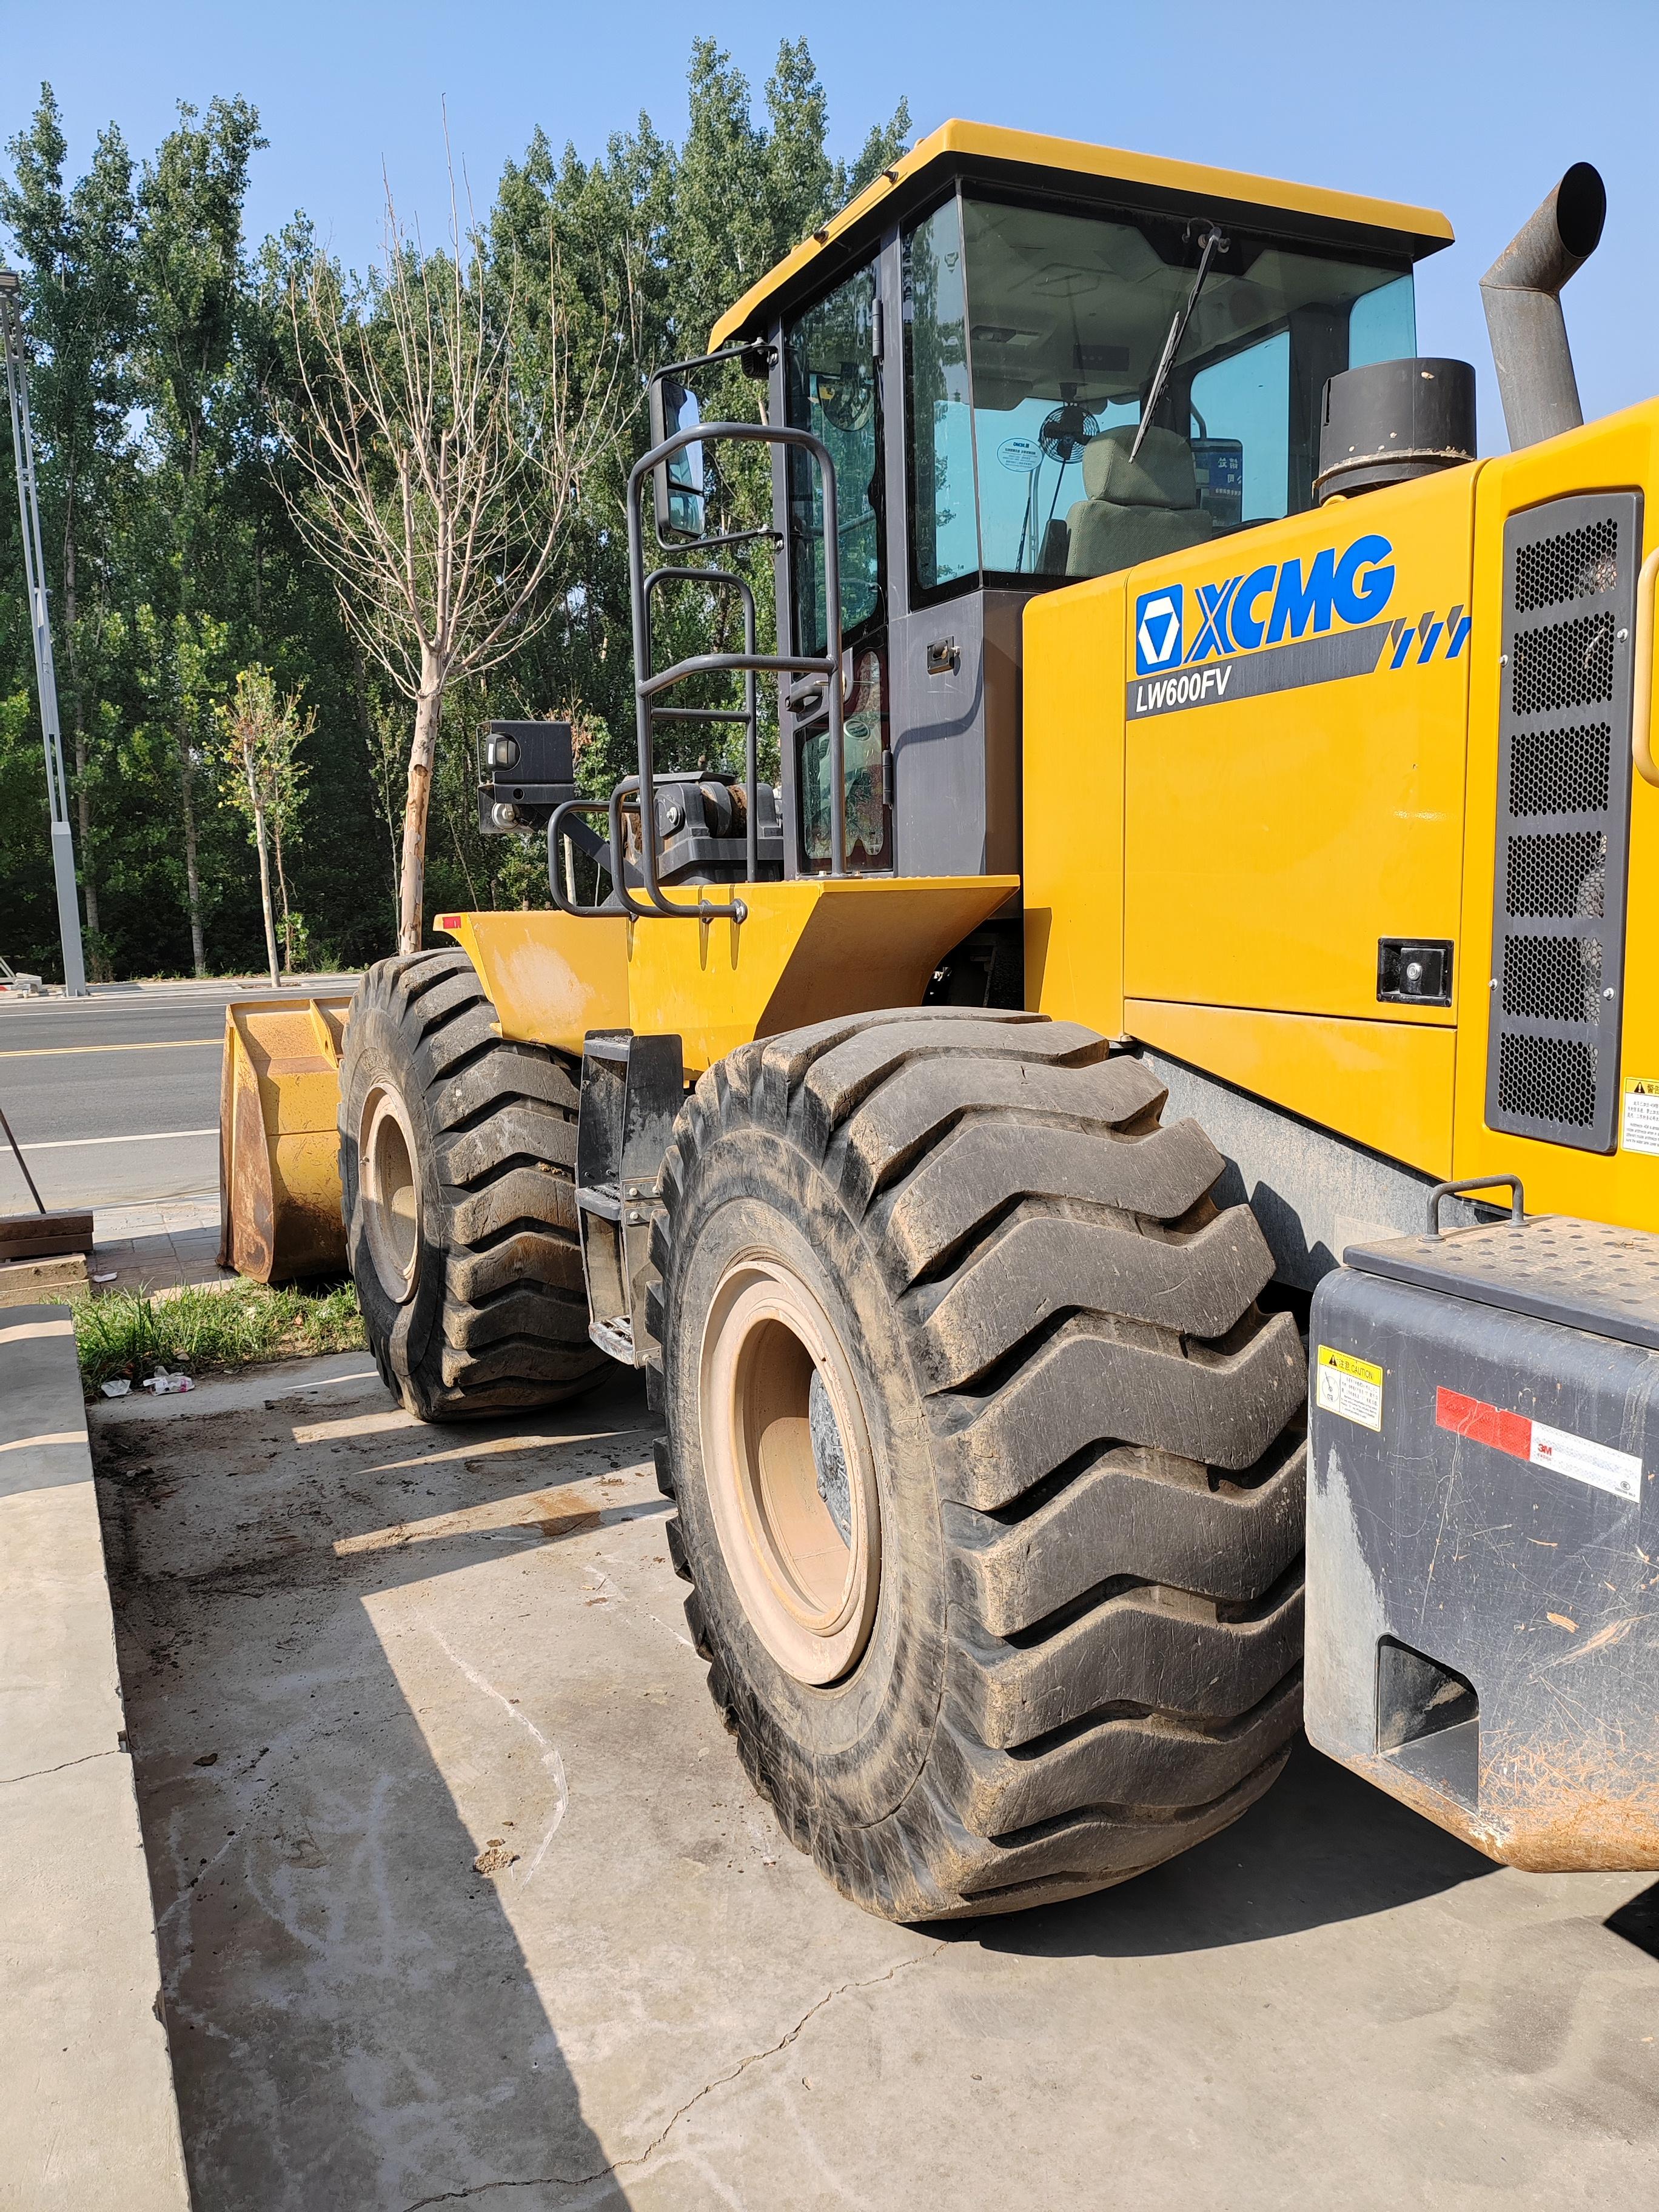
(1349,1387)
(1640,1131)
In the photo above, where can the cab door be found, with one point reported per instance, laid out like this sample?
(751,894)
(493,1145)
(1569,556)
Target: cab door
(829,370)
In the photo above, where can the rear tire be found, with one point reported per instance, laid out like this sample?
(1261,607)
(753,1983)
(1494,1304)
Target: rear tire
(457,1170)
(1062,1639)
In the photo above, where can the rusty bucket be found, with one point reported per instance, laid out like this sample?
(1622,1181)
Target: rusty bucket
(279,1144)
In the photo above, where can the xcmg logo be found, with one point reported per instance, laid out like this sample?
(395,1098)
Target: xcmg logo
(1277,601)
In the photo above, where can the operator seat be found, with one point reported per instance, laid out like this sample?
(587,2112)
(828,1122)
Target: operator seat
(1134,510)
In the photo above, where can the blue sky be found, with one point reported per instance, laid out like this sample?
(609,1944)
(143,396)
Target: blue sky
(1474,109)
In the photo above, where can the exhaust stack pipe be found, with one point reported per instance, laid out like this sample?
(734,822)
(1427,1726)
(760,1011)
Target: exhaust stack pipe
(1522,292)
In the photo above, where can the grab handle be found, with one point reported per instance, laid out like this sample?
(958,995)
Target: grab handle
(1641,741)
(1512,1183)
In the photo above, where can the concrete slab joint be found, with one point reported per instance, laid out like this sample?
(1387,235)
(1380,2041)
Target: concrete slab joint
(86,2081)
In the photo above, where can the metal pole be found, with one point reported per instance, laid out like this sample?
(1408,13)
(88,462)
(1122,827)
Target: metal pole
(45,676)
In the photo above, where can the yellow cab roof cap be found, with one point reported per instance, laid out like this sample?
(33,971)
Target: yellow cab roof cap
(1028,158)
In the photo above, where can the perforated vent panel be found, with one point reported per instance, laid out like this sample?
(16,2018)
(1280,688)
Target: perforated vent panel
(1562,664)
(1575,564)
(1560,771)
(1563,820)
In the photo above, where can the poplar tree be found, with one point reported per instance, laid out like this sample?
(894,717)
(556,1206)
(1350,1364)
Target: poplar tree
(77,248)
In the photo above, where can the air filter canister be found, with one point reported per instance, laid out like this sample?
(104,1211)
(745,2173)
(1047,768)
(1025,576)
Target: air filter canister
(1392,421)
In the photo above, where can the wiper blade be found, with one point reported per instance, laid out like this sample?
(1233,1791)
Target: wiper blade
(1212,244)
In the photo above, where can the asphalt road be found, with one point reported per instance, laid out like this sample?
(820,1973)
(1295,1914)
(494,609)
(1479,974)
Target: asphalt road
(115,1098)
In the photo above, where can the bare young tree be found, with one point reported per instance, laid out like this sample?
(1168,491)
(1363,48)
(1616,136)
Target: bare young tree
(438,470)
(262,736)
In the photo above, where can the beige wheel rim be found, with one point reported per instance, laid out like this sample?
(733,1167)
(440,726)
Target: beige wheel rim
(391,1191)
(809,1589)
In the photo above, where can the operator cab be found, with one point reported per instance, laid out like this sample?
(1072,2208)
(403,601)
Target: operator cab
(1032,362)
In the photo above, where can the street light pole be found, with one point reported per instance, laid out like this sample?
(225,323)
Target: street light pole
(45,676)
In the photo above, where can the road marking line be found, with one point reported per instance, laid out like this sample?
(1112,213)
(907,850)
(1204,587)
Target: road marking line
(67,1051)
(142,1136)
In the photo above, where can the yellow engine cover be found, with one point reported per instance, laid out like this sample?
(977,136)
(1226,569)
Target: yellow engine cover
(1248,764)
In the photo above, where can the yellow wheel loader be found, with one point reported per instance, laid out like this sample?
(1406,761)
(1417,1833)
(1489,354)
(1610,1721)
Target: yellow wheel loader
(1156,1110)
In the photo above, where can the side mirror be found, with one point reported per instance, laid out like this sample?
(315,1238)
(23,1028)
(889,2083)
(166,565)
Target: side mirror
(677,484)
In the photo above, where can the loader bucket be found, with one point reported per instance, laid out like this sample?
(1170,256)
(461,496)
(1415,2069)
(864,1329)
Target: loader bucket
(279,1146)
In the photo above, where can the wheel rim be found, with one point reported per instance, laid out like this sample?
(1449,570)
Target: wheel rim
(777,1399)
(391,1191)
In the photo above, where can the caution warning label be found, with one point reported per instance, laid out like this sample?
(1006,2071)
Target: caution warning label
(1639,1132)
(1349,1387)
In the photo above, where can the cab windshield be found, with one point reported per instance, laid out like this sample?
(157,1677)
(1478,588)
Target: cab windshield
(1032,338)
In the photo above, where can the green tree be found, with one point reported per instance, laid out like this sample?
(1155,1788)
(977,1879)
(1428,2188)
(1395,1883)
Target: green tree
(261,734)
(165,356)
(77,245)
(191,283)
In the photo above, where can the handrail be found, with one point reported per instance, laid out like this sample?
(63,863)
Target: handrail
(750,711)
(647,684)
(618,882)
(1641,741)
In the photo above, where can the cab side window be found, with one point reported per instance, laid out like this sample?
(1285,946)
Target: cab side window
(830,389)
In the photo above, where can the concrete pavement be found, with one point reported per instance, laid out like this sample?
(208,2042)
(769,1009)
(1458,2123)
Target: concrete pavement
(462,1894)
(85,2086)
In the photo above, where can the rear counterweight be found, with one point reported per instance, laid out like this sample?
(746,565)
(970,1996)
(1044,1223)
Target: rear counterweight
(1483,1539)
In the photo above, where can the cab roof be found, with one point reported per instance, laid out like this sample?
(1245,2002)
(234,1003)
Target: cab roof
(1102,175)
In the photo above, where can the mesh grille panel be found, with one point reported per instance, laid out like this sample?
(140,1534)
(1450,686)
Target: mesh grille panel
(1574,566)
(1554,979)
(1563,820)
(1556,876)
(1560,771)
(1565,665)
(1548,1080)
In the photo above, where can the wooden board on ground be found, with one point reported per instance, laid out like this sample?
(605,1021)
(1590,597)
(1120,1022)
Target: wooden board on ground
(32,1236)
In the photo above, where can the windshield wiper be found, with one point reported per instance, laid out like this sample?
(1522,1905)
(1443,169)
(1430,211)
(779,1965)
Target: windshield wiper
(1211,243)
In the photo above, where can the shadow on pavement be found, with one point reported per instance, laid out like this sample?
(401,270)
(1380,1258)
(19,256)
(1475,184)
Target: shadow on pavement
(1321,1847)
(1638,1921)
(353,2021)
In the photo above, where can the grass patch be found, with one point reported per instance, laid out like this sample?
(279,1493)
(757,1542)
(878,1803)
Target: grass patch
(211,1332)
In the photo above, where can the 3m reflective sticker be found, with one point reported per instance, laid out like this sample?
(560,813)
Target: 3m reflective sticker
(1599,1465)
(1639,1132)
(1350,1388)
(1618,1472)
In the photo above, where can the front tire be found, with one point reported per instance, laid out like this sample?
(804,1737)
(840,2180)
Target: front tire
(1020,1617)
(457,1169)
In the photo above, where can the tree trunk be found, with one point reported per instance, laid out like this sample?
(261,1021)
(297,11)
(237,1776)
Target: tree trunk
(281,889)
(193,876)
(428,710)
(264,896)
(371,746)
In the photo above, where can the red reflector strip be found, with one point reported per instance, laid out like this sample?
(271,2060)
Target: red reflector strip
(1487,1424)
(447,921)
